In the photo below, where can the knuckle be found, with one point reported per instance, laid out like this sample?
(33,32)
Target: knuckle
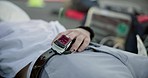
(87,36)
(87,40)
(79,39)
(74,46)
(82,47)
(78,31)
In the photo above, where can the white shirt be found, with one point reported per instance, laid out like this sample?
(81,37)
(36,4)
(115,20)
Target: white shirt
(11,12)
(23,42)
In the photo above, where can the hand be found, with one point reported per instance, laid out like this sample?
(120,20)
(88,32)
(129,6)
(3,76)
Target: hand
(81,36)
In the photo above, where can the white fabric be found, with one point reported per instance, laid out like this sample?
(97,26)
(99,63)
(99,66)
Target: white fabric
(97,61)
(11,12)
(23,42)
(141,48)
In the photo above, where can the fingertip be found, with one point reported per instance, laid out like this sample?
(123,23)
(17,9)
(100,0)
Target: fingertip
(79,50)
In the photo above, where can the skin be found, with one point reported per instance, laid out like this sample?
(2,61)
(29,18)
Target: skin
(82,38)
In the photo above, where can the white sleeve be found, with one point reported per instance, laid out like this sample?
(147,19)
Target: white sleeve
(11,12)
(23,42)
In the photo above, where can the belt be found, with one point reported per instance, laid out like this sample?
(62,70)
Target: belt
(40,63)
(42,60)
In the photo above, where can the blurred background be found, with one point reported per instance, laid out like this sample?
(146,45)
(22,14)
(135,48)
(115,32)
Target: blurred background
(121,24)
(45,12)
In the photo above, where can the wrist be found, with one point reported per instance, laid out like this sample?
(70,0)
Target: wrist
(88,29)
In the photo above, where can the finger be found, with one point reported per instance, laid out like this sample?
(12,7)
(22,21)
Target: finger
(84,44)
(60,34)
(73,34)
(77,43)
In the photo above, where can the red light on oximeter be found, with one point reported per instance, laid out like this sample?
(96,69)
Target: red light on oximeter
(64,40)
(61,44)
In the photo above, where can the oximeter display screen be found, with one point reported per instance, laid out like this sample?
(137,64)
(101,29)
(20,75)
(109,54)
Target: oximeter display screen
(62,44)
(64,40)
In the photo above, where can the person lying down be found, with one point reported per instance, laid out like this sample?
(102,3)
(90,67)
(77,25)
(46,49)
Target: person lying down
(22,43)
